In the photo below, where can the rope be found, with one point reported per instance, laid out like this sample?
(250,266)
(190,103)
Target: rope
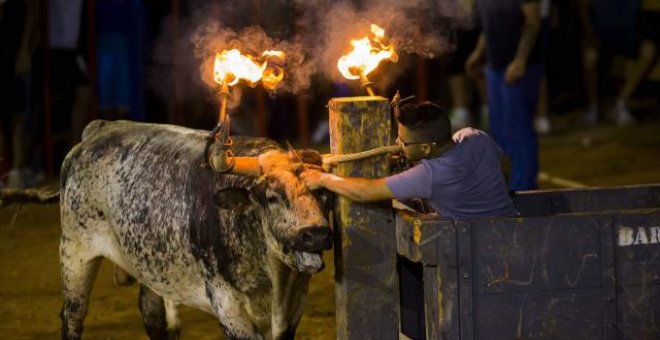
(334,159)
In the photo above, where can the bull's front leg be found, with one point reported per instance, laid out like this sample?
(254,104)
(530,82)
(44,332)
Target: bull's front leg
(234,321)
(160,316)
(288,299)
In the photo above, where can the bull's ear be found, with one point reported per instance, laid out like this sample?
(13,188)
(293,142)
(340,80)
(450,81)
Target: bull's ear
(258,191)
(232,198)
(310,156)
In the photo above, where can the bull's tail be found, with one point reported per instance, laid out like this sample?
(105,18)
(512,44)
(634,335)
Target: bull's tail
(32,195)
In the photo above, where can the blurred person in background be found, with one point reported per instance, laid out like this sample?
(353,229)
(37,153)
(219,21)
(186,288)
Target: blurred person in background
(465,34)
(67,73)
(541,120)
(120,35)
(513,73)
(18,34)
(615,27)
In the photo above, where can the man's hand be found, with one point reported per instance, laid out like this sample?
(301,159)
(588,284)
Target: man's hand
(312,178)
(515,71)
(463,133)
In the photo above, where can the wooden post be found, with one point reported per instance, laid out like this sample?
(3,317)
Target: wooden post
(366,284)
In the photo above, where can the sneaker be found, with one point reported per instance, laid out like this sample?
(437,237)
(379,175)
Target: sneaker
(542,125)
(459,117)
(621,114)
(590,118)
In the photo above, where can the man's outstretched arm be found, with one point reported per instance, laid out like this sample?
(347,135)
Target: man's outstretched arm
(355,189)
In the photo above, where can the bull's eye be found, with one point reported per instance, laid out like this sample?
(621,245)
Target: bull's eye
(271,199)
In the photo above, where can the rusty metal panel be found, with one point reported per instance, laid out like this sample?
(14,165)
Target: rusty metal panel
(608,284)
(515,255)
(465,281)
(549,202)
(441,303)
(638,249)
(638,275)
(420,236)
(564,314)
(639,312)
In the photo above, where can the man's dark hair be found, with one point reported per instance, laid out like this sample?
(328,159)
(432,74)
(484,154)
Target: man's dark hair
(428,120)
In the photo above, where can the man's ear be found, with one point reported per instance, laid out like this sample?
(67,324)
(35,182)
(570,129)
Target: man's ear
(426,148)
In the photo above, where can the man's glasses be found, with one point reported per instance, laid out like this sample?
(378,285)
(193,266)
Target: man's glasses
(404,143)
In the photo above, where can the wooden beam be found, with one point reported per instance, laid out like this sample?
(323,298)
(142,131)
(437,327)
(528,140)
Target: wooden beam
(366,283)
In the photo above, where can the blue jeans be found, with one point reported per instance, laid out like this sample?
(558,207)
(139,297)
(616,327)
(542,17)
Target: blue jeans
(512,109)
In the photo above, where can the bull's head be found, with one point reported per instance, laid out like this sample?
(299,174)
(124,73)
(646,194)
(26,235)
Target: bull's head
(294,218)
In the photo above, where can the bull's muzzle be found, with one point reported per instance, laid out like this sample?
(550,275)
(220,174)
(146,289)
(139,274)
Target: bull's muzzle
(313,239)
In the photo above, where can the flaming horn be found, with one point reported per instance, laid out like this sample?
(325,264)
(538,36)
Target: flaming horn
(367,53)
(229,68)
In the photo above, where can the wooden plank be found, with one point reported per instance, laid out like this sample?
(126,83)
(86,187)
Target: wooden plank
(366,283)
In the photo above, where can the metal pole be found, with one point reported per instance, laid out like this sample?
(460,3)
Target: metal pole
(48,133)
(176,107)
(91,56)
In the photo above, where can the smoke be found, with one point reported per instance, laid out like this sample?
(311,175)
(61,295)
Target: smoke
(420,27)
(312,33)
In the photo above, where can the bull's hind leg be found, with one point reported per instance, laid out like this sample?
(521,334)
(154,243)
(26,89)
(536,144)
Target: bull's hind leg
(78,269)
(159,316)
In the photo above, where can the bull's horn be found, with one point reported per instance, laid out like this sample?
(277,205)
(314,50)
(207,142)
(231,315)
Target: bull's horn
(222,160)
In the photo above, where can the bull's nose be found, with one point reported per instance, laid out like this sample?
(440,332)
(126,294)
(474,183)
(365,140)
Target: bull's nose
(314,238)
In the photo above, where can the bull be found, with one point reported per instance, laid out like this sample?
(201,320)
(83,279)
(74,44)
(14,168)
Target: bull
(239,247)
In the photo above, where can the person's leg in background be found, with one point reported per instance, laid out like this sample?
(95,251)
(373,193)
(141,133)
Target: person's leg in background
(522,101)
(459,114)
(648,30)
(541,120)
(590,75)
(496,107)
(511,122)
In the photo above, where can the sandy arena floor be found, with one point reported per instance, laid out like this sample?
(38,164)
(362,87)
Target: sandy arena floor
(29,236)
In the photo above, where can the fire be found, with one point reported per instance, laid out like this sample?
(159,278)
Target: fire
(367,53)
(231,66)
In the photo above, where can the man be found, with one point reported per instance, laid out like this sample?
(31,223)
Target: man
(513,75)
(460,181)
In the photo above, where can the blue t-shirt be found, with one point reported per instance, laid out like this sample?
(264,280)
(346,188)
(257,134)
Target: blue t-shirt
(465,182)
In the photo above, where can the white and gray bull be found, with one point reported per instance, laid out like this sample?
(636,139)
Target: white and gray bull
(241,248)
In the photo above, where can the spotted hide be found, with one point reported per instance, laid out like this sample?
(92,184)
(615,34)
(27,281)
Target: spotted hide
(240,248)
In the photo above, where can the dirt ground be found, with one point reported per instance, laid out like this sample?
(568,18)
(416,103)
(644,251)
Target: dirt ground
(29,269)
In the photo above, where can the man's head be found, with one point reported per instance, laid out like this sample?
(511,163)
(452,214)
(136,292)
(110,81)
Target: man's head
(424,130)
